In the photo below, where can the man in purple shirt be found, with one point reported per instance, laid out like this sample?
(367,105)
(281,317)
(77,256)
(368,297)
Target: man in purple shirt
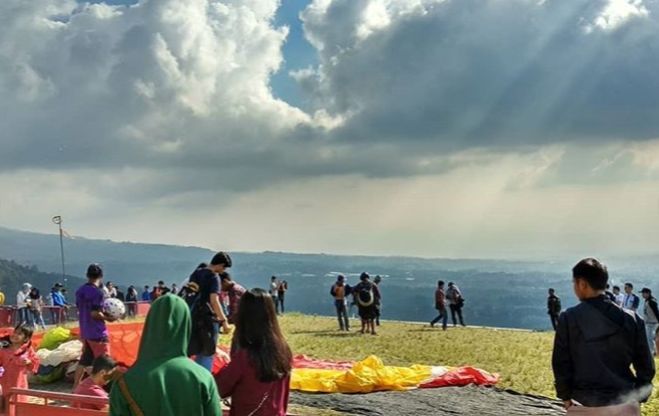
(93,331)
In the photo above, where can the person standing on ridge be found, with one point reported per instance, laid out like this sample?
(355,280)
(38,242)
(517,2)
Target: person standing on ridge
(206,310)
(553,308)
(341,291)
(274,292)
(455,303)
(630,300)
(651,317)
(23,305)
(440,305)
(146,294)
(618,298)
(367,295)
(595,346)
(282,288)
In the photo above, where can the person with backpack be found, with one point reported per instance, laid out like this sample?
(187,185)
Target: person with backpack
(341,291)
(367,296)
(455,303)
(553,308)
(596,345)
(651,317)
(440,305)
(282,288)
(202,294)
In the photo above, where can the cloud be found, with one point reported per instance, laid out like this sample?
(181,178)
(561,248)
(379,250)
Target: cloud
(459,74)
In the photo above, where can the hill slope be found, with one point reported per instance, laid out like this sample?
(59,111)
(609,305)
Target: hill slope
(13,275)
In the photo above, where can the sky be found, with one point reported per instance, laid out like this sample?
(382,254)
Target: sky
(437,128)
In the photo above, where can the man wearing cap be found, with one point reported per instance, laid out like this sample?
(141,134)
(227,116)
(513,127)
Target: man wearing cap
(651,316)
(23,304)
(59,304)
(93,331)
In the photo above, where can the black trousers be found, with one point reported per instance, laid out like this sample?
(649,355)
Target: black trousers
(554,320)
(455,309)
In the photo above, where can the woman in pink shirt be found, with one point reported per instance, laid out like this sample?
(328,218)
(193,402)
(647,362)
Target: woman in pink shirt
(258,376)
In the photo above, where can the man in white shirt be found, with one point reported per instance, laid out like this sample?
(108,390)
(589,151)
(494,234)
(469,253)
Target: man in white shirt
(23,304)
(618,297)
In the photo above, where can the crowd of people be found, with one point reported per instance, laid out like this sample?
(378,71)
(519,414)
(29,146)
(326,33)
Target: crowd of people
(602,359)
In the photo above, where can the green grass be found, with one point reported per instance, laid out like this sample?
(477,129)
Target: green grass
(523,359)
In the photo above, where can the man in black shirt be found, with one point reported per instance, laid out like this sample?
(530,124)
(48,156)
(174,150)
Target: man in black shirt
(206,310)
(596,344)
(553,307)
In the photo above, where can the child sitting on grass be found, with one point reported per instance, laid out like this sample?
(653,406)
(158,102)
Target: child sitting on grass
(103,370)
(18,359)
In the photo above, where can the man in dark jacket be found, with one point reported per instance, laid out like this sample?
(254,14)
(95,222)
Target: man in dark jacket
(651,317)
(341,291)
(553,307)
(440,305)
(595,346)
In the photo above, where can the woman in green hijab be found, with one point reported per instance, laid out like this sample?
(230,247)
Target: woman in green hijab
(164,381)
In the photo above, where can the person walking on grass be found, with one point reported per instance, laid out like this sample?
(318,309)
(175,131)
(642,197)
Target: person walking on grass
(456,302)
(595,346)
(651,317)
(630,300)
(553,308)
(440,305)
(367,295)
(341,292)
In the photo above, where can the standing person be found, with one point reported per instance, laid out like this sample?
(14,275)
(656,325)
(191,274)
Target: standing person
(455,303)
(595,346)
(174,290)
(59,304)
(120,295)
(651,317)
(23,305)
(553,308)
(163,288)
(131,301)
(440,305)
(93,331)
(282,288)
(36,306)
(378,305)
(274,292)
(164,381)
(234,293)
(206,310)
(618,298)
(146,294)
(18,360)
(111,290)
(630,300)
(367,295)
(258,376)
(341,292)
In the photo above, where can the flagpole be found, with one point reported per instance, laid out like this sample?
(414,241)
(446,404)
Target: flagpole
(58,220)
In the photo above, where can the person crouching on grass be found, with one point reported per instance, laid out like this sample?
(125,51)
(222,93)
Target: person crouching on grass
(258,376)
(595,346)
(18,359)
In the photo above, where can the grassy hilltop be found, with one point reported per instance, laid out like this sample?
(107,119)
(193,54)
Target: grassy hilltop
(523,359)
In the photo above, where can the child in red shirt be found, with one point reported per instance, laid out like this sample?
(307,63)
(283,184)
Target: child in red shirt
(103,370)
(18,359)
(258,376)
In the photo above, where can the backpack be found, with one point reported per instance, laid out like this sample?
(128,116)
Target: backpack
(365,296)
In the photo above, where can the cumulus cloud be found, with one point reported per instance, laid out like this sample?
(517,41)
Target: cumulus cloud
(458,74)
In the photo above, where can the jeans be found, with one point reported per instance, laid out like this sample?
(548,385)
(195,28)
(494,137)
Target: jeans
(443,316)
(25,316)
(342,315)
(651,331)
(275,299)
(206,361)
(281,301)
(455,309)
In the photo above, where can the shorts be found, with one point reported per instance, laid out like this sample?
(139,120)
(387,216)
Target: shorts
(93,349)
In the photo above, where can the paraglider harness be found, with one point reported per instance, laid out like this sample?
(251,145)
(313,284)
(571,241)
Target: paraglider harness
(365,296)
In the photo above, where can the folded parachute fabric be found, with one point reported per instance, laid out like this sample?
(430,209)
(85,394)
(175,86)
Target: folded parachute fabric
(372,375)
(66,352)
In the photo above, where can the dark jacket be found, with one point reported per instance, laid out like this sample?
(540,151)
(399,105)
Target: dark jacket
(596,342)
(554,305)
